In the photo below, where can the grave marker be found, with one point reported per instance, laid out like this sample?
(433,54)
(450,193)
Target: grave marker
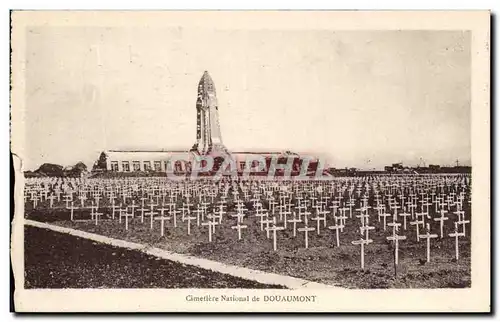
(306,231)
(336,227)
(362,242)
(428,236)
(274,229)
(456,234)
(396,238)
(239,227)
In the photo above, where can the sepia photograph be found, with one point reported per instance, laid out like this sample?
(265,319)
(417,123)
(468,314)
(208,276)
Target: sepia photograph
(251,161)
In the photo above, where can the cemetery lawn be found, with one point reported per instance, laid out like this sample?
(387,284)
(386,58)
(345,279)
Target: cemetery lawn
(56,260)
(321,262)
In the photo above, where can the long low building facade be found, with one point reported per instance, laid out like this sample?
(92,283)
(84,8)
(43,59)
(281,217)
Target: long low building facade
(183,161)
(137,161)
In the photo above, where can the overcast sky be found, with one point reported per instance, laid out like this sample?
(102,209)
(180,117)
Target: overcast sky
(361,99)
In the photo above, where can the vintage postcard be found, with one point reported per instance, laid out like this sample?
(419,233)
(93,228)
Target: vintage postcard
(251,161)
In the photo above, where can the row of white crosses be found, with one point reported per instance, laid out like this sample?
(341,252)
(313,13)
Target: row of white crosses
(328,201)
(124,196)
(125,192)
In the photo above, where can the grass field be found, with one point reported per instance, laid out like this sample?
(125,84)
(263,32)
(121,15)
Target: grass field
(321,262)
(56,260)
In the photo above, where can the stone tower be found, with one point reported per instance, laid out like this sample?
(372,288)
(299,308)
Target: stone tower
(208,136)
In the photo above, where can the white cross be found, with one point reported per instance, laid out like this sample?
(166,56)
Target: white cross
(274,229)
(126,215)
(294,221)
(417,223)
(121,211)
(261,217)
(441,221)
(267,222)
(92,209)
(342,217)
(220,213)
(188,219)
(113,209)
(336,227)
(35,200)
(151,215)
(133,206)
(97,198)
(366,229)
(239,227)
(67,199)
(174,213)
(239,217)
(211,226)
(272,204)
(199,212)
(362,216)
(318,220)
(412,208)
(380,210)
(463,222)
(185,210)
(404,215)
(161,210)
(395,226)
(396,238)
(460,214)
(334,208)
(428,236)
(162,223)
(306,231)
(385,215)
(71,209)
(350,204)
(82,198)
(97,215)
(283,217)
(52,197)
(112,199)
(456,234)
(362,242)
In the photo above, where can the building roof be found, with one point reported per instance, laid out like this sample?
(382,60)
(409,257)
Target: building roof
(143,155)
(147,151)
